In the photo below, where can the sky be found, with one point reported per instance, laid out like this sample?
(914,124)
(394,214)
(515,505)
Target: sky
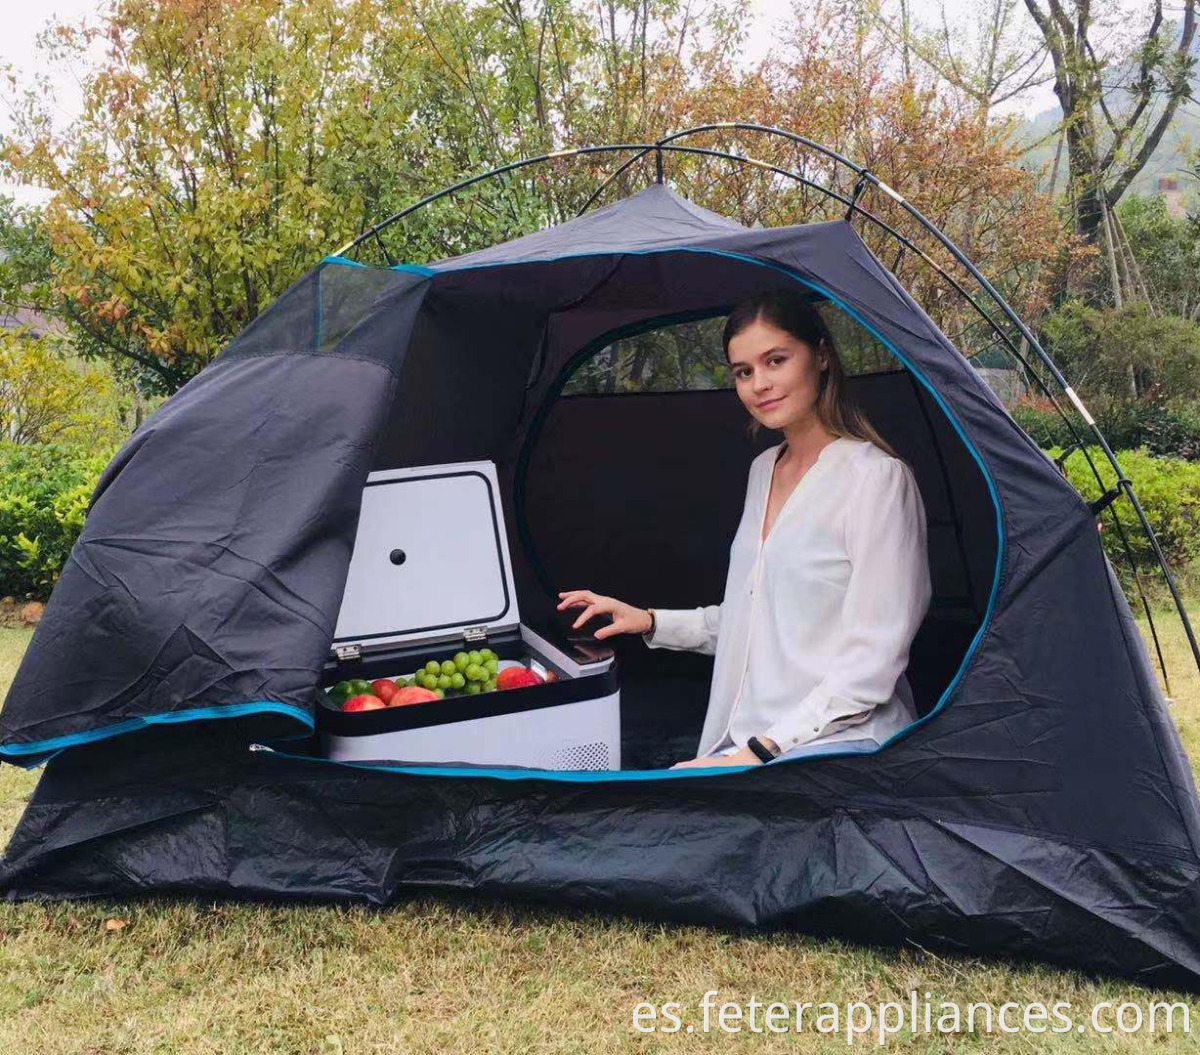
(24,21)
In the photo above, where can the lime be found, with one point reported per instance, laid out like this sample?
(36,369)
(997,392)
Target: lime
(443,681)
(360,687)
(474,688)
(457,680)
(342,688)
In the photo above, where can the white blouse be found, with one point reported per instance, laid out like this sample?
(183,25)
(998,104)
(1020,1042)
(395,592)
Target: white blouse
(811,639)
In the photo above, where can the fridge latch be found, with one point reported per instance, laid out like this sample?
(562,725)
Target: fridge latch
(473,634)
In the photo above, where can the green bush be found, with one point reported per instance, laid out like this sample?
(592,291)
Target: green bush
(1168,428)
(44,491)
(1044,424)
(1104,350)
(1169,492)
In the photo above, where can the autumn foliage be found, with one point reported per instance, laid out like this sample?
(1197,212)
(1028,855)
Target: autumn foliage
(227,145)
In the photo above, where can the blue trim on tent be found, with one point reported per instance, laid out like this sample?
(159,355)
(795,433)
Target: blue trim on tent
(576,776)
(55,744)
(417,269)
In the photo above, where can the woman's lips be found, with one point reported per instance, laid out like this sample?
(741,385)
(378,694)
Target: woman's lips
(770,403)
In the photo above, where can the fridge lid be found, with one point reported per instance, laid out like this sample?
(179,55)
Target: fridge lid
(430,558)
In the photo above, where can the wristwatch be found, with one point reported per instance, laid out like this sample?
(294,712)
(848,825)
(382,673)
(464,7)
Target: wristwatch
(761,751)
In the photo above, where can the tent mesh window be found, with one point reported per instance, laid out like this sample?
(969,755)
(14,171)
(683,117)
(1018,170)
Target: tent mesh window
(688,356)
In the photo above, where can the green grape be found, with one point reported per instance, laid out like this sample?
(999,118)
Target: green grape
(475,672)
(492,666)
(487,654)
(457,680)
(448,667)
(490,685)
(461,661)
(433,667)
(429,681)
(441,693)
(474,688)
(443,681)
(474,657)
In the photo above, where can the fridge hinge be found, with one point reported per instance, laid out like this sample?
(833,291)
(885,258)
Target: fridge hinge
(472,634)
(346,653)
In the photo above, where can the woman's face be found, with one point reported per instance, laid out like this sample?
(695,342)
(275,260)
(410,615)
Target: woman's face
(777,376)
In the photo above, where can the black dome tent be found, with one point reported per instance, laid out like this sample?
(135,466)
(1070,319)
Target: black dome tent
(1041,805)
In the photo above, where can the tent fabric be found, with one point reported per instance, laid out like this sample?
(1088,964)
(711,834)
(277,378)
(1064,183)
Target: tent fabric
(1041,806)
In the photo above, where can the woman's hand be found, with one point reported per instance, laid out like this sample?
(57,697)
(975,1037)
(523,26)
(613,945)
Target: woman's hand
(743,757)
(626,619)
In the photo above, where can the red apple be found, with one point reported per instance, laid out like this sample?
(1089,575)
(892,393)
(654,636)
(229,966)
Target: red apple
(364,702)
(413,694)
(517,678)
(384,689)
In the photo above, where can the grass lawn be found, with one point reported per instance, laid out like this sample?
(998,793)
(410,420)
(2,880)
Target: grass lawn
(449,976)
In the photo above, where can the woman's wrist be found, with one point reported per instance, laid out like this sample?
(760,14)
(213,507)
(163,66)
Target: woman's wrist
(651,624)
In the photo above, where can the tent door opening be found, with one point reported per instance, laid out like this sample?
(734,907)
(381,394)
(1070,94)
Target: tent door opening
(665,496)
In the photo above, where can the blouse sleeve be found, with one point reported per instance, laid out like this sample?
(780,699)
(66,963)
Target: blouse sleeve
(686,629)
(886,598)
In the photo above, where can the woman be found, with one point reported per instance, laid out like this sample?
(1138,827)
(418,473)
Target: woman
(828,574)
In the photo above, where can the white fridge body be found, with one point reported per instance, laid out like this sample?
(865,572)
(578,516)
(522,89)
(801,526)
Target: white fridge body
(431,576)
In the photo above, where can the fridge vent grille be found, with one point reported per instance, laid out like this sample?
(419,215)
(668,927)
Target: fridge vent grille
(581,756)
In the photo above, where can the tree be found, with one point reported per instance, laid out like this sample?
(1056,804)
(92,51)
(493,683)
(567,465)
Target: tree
(983,53)
(1107,146)
(1167,251)
(45,397)
(839,82)
(226,145)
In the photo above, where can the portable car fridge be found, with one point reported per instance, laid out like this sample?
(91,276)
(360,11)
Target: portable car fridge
(430,576)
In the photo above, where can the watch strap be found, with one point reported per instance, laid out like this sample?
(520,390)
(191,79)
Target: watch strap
(761,751)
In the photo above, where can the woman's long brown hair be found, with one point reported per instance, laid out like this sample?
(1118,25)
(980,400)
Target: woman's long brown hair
(786,310)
